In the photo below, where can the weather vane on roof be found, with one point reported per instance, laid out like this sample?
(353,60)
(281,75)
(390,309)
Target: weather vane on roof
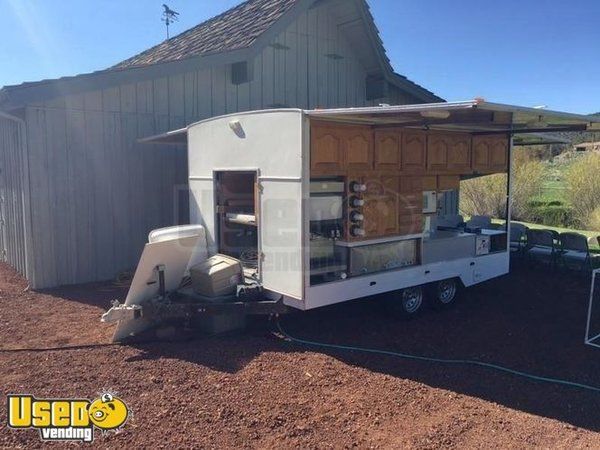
(168,17)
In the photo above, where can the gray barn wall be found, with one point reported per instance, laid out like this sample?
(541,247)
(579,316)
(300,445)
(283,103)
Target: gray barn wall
(96,192)
(14,243)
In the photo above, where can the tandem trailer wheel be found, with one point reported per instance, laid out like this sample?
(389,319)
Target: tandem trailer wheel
(444,294)
(406,303)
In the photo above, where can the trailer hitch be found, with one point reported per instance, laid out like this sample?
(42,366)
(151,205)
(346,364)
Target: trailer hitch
(121,312)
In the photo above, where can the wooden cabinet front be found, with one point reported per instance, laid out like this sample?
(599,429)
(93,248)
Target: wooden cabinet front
(381,207)
(448,182)
(414,151)
(499,154)
(490,154)
(338,148)
(359,148)
(326,150)
(387,150)
(438,147)
(459,154)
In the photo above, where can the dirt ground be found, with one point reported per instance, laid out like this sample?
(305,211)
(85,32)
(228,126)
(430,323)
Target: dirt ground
(255,390)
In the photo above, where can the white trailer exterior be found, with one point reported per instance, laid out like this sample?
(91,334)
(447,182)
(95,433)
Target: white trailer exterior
(257,178)
(275,144)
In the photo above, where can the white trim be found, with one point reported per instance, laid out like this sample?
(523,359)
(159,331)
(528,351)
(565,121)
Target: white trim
(276,178)
(383,240)
(587,340)
(471,271)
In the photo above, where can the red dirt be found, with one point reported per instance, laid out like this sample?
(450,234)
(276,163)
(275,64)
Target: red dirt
(254,390)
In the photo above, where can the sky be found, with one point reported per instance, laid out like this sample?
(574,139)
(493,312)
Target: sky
(525,52)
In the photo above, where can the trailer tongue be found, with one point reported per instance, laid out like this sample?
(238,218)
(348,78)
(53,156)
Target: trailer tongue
(162,291)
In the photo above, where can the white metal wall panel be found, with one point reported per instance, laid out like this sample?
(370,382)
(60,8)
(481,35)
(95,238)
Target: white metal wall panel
(218,144)
(281,235)
(14,244)
(271,141)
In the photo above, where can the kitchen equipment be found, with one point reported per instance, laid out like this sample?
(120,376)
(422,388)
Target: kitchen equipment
(377,257)
(321,247)
(329,207)
(217,276)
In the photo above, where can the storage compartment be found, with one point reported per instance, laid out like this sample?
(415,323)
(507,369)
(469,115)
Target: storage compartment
(218,276)
(236,213)
(386,256)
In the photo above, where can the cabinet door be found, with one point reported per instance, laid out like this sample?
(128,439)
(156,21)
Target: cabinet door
(410,213)
(481,154)
(359,148)
(370,211)
(411,184)
(448,182)
(414,150)
(499,154)
(387,150)
(381,215)
(429,183)
(388,214)
(410,224)
(438,146)
(326,150)
(459,154)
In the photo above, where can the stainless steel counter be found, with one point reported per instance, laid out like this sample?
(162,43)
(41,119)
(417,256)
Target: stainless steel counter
(445,245)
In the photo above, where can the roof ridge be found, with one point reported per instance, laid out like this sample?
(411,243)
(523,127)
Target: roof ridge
(205,37)
(205,22)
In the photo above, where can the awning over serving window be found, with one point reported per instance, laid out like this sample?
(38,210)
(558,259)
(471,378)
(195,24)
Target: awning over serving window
(474,116)
(529,126)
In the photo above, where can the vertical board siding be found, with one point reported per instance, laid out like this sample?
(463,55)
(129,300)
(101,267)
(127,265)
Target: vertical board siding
(96,192)
(13,192)
(300,67)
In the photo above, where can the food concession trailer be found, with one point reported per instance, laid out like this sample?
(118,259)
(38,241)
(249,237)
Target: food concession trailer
(309,208)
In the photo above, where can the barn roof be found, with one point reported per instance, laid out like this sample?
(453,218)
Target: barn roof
(237,30)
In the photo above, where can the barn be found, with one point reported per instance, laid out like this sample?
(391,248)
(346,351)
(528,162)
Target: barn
(79,192)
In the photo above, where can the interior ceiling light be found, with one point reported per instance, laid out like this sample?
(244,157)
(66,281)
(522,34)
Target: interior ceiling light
(435,114)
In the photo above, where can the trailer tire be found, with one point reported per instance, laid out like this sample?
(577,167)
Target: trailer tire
(406,303)
(444,293)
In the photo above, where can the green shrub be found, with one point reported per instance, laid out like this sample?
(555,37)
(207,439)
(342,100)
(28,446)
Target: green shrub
(552,214)
(593,220)
(486,195)
(583,188)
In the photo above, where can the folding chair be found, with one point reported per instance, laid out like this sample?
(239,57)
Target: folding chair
(541,245)
(575,249)
(518,235)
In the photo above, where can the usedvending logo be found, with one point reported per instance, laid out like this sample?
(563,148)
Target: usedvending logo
(67,419)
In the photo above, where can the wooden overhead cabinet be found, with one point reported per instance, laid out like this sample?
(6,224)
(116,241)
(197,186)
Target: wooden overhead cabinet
(414,151)
(335,149)
(388,144)
(499,154)
(326,149)
(490,154)
(358,147)
(450,152)
(438,146)
(459,153)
